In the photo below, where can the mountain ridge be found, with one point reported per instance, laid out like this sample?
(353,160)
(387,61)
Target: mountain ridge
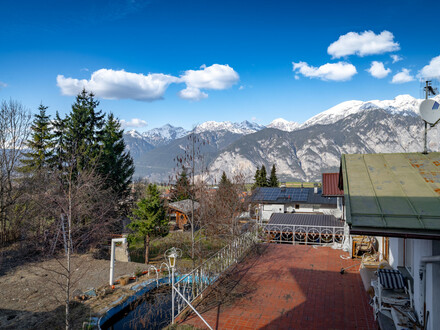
(300,151)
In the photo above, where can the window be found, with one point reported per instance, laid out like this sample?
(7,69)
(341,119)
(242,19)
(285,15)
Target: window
(315,207)
(296,206)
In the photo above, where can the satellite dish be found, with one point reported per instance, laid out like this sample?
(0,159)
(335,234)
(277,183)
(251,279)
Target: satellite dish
(430,111)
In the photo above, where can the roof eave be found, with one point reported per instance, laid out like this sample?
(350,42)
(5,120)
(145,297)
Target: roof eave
(393,232)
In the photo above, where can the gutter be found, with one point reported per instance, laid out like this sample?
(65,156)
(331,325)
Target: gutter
(422,274)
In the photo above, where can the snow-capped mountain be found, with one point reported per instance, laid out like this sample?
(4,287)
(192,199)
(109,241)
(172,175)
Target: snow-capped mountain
(134,134)
(136,144)
(305,154)
(284,125)
(300,152)
(163,135)
(242,128)
(404,104)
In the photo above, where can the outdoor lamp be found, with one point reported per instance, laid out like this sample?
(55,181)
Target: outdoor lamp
(172,254)
(172,259)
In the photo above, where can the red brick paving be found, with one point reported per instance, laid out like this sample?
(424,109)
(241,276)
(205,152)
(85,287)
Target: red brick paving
(263,292)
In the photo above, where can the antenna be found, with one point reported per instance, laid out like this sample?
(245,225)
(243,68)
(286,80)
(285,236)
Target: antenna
(429,110)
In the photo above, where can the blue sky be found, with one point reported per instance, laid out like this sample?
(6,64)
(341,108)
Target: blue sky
(186,62)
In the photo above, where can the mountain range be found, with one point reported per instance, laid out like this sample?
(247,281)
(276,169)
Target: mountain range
(301,152)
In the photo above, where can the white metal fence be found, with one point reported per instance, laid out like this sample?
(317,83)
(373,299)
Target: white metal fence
(301,234)
(190,286)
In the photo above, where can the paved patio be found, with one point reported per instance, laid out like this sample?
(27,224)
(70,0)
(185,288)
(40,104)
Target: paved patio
(288,287)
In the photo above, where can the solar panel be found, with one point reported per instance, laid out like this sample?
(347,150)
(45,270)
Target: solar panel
(282,194)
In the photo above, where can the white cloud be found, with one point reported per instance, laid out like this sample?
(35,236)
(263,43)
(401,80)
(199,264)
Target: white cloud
(340,71)
(377,70)
(114,85)
(216,76)
(403,76)
(362,44)
(3,85)
(432,70)
(135,122)
(192,93)
(396,58)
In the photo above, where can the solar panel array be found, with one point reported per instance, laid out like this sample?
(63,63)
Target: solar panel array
(278,194)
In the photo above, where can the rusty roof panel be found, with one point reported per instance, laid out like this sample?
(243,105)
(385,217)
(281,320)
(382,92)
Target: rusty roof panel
(330,183)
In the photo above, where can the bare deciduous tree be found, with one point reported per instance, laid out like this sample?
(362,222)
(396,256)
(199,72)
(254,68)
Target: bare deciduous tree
(82,214)
(222,208)
(192,163)
(15,122)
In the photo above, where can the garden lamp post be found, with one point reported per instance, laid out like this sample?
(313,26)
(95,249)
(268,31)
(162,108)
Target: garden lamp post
(172,255)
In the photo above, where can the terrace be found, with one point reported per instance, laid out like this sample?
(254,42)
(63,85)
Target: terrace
(280,286)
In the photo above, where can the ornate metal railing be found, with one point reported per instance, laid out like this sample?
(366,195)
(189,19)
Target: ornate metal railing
(192,285)
(300,234)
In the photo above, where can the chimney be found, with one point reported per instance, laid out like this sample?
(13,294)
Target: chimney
(315,188)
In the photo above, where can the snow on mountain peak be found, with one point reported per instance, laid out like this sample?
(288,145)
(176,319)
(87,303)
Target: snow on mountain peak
(244,127)
(164,134)
(135,134)
(400,104)
(284,125)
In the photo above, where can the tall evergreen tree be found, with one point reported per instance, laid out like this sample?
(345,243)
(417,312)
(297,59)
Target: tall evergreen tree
(262,182)
(149,218)
(224,185)
(224,181)
(40,145)
(116,164)
(273,180)
(256,178)
(182,189)
(59,125)
(83,131)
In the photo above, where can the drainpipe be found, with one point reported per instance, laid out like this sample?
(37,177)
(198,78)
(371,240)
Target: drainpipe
(422,274)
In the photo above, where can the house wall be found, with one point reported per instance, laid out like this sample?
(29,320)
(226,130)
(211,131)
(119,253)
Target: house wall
(434,294)
(418,249)
(266,210)
(181,218)
(396,252)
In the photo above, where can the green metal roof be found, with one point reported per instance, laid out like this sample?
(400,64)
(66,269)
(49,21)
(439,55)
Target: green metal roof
(394,194)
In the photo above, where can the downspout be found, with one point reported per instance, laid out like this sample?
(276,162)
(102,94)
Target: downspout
(422,274)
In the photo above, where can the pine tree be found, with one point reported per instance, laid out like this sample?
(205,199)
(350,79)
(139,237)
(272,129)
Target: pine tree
(59,125)
(115,164)
(256,178)
(83,131)
(224,181)
(182,189)
(273,180)
(262,182)
(41,144)
(149,218)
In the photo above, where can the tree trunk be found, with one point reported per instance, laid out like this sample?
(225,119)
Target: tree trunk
(147,248)
(68,255)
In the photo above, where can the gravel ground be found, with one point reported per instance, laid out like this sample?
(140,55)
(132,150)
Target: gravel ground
(32,293)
